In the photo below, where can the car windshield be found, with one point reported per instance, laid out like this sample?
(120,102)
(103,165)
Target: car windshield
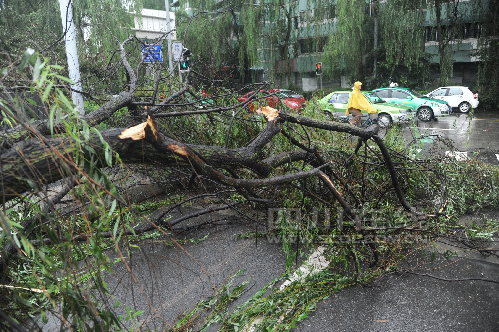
(416,94)
(289,94)
(373,98)
(341,98)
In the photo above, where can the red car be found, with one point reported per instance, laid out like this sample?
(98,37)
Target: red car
(288,98)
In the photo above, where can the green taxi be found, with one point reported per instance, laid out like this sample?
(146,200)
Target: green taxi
(335,104)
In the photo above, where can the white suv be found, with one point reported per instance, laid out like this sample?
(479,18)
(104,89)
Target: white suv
(459,97)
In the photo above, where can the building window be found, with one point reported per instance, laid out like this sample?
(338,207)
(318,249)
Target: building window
(430,34)
(296,22)
(303,17)
(321,43)
(332,11)
(304,46)
(328,12)
(472,30)
(461,31)
(312,45)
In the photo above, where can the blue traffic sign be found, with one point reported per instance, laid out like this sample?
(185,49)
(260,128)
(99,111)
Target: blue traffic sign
(151,53)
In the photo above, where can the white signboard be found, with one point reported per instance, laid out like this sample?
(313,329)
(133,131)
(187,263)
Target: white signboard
(151,24)
(177,48)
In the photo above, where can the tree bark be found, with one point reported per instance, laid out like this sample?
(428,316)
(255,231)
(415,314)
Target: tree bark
(32,164)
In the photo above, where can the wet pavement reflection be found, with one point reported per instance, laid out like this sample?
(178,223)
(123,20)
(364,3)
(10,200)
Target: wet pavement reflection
(468,136)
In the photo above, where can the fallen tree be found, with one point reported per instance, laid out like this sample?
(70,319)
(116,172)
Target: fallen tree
(273,158)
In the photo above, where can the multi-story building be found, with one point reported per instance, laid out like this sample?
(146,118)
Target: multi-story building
(460,24)
(293,41)
(462,21)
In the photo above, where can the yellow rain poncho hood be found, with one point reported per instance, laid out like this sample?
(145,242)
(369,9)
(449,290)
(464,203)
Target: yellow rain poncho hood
(359,101)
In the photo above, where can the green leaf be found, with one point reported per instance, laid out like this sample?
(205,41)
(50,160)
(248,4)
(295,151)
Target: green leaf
(51,119)
(37,68)
(133,314)
(28,247)
(108,156)
(65,100)
(86,133)
(16,240)
(115,229)
(15,224)
(64,79)
(113,207)
(42,79)
(47,90)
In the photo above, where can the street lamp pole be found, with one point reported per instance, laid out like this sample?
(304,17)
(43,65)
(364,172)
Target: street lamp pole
(72,53)
(169,36)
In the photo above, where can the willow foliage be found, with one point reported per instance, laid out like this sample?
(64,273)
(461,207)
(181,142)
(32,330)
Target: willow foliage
(203,37)
(403,32)
(37,24)
(110,22)
(250,35)
(221,34)
(26,24)
(488,75)
(346,47)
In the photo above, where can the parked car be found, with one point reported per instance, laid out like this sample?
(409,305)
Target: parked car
(459,97)
(426,108)
(288,98)
(337,101)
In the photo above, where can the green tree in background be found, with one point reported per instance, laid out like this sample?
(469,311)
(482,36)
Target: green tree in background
(488,75)
(221,34)
(36,24)
(349,45)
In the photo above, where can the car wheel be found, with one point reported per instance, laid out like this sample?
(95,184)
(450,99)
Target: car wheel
(384,120)
(425,114)
(464,107)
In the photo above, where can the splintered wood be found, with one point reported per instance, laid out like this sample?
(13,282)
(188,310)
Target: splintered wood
(136,133)
(269,112)
(180,150)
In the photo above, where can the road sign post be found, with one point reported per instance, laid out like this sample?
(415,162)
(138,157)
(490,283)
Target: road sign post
(318,72)
(177,48)
(169,36)
(152,53)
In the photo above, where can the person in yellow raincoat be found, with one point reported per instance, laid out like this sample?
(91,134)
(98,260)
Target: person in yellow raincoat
(357,103)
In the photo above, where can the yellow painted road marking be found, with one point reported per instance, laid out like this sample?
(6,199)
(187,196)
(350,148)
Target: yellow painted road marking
(487,119)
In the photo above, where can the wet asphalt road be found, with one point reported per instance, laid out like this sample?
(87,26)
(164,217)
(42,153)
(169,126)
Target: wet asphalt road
(170,279)
(471,133)
(474,136)
(408,302)
(435,295)
(411,302)
(466,135)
